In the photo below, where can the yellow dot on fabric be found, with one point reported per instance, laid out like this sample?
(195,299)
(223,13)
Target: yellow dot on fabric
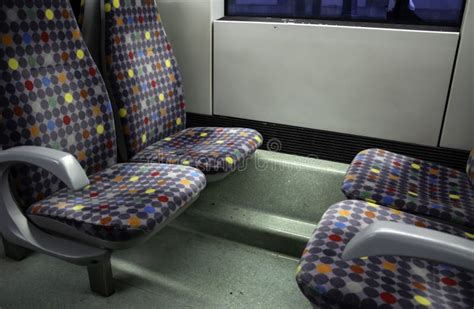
(220,142)
(107,7)
(134,178)
(390,266)
(396,212)
(150,191)
(364,258)
(122,112)
(415,166)
(162,97)
(116,4)
(68,98)
(168,63)
(298,269)
(369,200)
(422,300)
(178,121)
(134,222)
(147,35)
(203,134)
(185,182)
(469,235)
(373,204)
(144,138)
(78,207)
(185,162)
(13,64)
(454,197)
(258,139)
(131,73)
(412,193)
(49,14)
(344,213)
(229,160)
(374,170)
(100,129)
(323,268)
(80,54)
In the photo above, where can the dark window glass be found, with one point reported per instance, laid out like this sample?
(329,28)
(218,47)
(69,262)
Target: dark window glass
(417,12)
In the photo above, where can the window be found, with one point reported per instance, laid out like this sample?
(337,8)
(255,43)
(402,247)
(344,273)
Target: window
(414,12)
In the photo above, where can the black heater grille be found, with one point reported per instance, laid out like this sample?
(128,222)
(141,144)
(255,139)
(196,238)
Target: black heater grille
(327,145)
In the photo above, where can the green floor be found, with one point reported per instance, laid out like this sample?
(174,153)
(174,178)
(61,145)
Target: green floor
(236,247)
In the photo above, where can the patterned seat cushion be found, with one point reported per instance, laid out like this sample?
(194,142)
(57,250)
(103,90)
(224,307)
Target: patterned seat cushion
(211,150)
(146,86)
(376,281)
(410,185)
(125,201)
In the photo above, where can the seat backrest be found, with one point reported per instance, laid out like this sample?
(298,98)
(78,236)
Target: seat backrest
(470,167)
(51,93)
(143,73)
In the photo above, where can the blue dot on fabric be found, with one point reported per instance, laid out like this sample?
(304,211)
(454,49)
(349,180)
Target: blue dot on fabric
(340,225)
(150,209)
(51,125)
(46,81)
(26,38)
(388,200)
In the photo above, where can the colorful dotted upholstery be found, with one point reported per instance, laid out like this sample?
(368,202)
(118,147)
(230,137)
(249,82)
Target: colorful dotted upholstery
(143,73)
(411,185)
(147,89)
(125,201)
(212,150)
(51,92)
(376,281)
(470,167)
(53,96)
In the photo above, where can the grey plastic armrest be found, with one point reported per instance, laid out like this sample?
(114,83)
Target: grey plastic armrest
(398,239)
(63,165)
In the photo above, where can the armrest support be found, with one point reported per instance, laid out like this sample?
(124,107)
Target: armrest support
(17,229)
(63,165)
(390,238)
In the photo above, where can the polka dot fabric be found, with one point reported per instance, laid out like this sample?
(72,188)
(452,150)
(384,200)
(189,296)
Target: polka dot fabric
(411,185)
(377,282)
(212,150)
(51,93)
(143,73)
(125,201)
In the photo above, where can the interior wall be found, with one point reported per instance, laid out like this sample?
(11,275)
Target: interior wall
(383,83)
(458,129)
(188,24)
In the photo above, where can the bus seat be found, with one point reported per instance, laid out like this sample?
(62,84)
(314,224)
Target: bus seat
(146,87)
(329,281)
(411,185)
(56,116)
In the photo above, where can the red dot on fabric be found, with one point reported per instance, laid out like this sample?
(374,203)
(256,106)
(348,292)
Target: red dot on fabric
(388,298)
(448,281)
(18,111)
(66,120)
(94,194)
(130,55)
(110,144)
(154,174)
(146,120)
(168,46)
(105,206)
(182,105)
(335,237)
(163,199)
(92,72)
(45,37)
(29,85)
(141,19)
(153,83)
